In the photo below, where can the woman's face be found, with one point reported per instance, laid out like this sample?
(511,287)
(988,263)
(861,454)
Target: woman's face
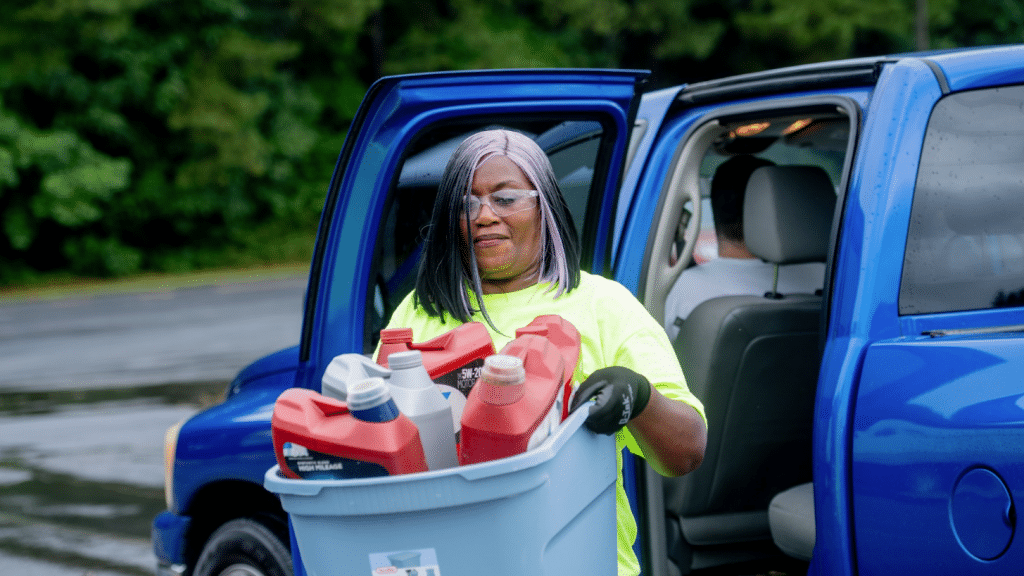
(507,248)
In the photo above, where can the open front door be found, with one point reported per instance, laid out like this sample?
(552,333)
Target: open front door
(382,191)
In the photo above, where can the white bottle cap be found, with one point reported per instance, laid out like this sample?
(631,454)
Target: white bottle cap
(407,359)
(368,393)
(501,380)
(503,369)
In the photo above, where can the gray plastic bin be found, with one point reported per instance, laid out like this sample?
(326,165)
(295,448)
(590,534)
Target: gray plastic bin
(548,511)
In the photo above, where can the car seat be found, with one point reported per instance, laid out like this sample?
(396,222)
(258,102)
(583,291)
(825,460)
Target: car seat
(753,361)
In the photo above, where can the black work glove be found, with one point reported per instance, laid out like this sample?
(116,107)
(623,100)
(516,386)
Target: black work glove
(620,395)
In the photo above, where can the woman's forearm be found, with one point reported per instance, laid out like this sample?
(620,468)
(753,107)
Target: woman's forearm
(671,434)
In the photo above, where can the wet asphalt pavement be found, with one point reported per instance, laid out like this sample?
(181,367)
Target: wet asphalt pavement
(88,385)
(158,335)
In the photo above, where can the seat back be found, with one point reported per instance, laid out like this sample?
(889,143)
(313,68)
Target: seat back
(753,361)
(787,214)
(755,373)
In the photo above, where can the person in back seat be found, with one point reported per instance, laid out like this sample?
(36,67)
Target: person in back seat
(736,271)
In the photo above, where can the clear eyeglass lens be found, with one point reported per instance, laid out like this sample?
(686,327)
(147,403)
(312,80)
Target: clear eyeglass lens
(503,202)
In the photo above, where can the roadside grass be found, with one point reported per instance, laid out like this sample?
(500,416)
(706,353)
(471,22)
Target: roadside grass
(275,250)
(35,402)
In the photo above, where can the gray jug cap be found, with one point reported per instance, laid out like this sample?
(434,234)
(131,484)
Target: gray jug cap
(368,393)
(503,369)
(407,359)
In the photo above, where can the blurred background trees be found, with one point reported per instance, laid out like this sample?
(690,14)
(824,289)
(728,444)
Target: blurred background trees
(156,135)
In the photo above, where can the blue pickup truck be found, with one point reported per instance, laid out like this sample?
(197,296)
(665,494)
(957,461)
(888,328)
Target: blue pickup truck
(873,427)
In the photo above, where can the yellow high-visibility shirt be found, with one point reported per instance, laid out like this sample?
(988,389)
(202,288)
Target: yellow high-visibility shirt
(615,330)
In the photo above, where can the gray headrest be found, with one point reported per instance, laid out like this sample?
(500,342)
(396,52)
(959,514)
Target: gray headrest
(787,214)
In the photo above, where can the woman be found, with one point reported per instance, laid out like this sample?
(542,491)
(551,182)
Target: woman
(502,250)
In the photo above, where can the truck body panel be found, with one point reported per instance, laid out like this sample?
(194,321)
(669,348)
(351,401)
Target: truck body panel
(917,407)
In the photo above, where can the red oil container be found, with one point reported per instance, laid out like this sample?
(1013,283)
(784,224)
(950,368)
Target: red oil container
(517,402)
(393,340)
(565,337)
(316,437)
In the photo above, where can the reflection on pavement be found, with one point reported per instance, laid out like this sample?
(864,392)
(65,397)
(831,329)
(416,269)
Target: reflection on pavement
(23,566)
(82,478)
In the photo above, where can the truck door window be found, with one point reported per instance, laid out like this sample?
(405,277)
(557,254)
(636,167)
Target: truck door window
(574,148)
(806,135)
(965,245)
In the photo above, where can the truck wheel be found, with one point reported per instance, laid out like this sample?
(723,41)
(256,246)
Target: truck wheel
(244,547)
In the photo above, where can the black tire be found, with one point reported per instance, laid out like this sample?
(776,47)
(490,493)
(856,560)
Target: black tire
(244,547)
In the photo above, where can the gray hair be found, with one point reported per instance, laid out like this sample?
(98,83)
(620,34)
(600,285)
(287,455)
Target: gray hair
(442,278)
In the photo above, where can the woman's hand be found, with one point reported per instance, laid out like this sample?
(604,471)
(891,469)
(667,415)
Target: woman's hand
(670,433)
(619,394)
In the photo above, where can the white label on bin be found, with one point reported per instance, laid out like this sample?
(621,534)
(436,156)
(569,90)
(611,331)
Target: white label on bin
(421,562)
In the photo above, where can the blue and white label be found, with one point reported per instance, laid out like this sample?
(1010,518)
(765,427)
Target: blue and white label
(312,465)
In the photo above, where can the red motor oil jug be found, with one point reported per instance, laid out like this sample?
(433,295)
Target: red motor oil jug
(516,403)
(565,337)
(393,340)
(316,437)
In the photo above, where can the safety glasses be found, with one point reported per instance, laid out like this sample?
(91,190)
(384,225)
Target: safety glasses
(502,202)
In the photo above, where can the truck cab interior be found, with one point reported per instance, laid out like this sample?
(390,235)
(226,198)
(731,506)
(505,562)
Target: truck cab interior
(752,359)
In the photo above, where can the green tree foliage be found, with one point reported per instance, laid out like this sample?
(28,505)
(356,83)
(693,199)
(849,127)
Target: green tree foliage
(977,23)
(804,31)
(144,135)
(157,135)
(74,183)
(469,34)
